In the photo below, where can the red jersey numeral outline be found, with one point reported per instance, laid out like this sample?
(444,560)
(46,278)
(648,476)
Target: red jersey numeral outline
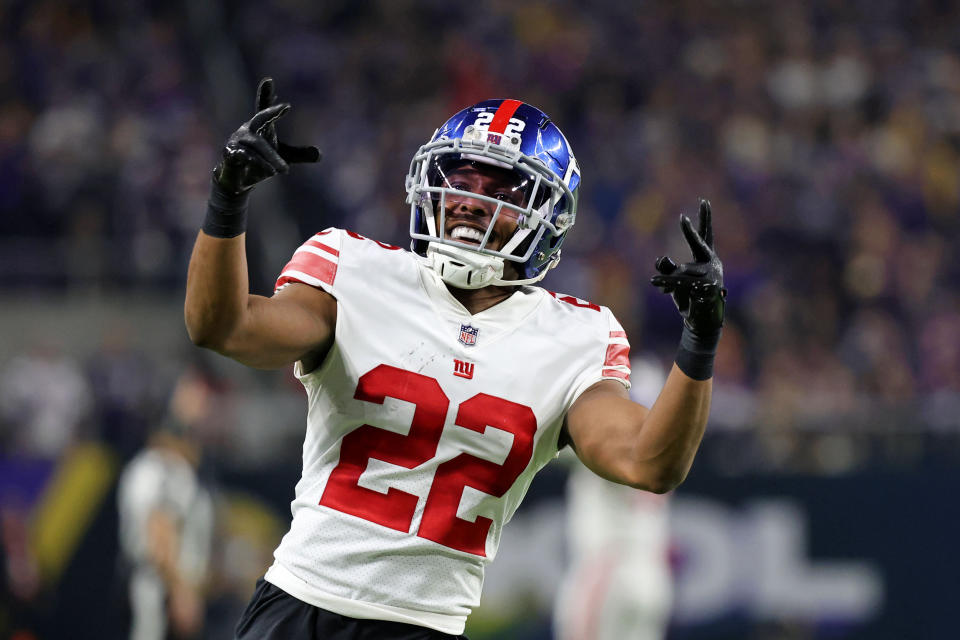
(395,509)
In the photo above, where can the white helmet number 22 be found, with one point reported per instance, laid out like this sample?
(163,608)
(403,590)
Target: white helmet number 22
(484,119)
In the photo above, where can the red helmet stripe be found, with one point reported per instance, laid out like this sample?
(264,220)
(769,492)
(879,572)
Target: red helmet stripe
(502,117)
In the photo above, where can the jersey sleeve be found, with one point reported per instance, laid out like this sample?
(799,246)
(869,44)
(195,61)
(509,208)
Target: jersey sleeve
(616,362)
(315,262)
(606,358)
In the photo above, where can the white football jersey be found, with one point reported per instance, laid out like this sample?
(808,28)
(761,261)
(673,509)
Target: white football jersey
(425,427)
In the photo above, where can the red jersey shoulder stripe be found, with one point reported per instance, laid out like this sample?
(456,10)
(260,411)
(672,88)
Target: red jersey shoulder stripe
(618,355)
(313,242)
(314,262)
(616,362)
(616,373)
(306,263)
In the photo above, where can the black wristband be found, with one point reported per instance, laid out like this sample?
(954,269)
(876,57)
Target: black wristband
(696,353)
(226,213)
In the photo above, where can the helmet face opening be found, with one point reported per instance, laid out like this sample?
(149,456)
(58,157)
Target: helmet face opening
(482,197)
(508,185)
(514,174)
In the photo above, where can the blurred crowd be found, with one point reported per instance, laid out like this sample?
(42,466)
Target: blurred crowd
(826,134)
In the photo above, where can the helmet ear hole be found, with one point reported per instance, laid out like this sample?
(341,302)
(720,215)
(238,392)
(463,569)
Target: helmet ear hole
(419,247)
(419,225)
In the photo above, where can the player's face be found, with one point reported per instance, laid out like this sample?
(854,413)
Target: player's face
(467,218)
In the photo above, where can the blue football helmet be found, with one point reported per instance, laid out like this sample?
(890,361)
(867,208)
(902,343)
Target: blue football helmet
(529,153)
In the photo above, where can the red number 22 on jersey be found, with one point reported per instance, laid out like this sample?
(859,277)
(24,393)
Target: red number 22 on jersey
(395,509)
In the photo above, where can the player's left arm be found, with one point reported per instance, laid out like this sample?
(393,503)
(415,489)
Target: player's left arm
(654,448)
(627,443)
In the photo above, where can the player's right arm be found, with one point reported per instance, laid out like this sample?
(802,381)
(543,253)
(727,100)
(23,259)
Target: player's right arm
(219,310)
(267,333)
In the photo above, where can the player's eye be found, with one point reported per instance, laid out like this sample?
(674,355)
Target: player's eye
(509,195)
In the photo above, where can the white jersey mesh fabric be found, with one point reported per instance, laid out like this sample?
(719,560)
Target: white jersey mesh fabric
(425,427)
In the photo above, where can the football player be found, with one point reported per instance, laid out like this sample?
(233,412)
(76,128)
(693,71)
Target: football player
(440,379)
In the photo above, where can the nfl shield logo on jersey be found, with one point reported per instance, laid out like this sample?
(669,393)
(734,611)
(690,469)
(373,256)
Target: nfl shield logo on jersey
(468,335)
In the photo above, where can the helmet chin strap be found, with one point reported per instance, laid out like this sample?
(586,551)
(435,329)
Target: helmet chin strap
(467,269)
(463,268)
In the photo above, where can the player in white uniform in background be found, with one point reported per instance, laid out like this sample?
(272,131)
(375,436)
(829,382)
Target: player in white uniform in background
(438,380)
(618,585)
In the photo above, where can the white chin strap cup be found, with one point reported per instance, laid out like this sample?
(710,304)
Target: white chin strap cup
(464,269)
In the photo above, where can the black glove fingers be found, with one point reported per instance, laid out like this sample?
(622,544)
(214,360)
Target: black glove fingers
(299,154)
(701,252)
(266,152)
(666,265)
(695,269)
(235,155)
(267,116)
(266,97)
(232,171)
(706,222)
(255,168)
(265,94)
(696,287)
(661,282)
(253,153)
(675,281)
(666,284)
(268,125)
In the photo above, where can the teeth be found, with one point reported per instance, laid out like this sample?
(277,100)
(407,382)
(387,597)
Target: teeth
(466,233)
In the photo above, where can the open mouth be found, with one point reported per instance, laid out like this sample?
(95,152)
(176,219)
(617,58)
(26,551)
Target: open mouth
(462,233)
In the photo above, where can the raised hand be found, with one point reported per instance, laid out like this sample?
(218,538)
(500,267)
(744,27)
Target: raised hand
(696,287)
(252,153)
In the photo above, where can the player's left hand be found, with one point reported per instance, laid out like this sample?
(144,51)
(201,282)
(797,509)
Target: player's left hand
(696,287)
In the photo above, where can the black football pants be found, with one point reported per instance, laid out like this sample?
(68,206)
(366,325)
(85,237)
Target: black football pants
(273,614)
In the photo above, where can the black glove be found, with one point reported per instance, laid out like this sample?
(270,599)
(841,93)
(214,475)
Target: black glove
(251,155)
(697,290)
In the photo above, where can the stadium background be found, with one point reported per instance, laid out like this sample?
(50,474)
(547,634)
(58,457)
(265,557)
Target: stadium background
(827,135)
